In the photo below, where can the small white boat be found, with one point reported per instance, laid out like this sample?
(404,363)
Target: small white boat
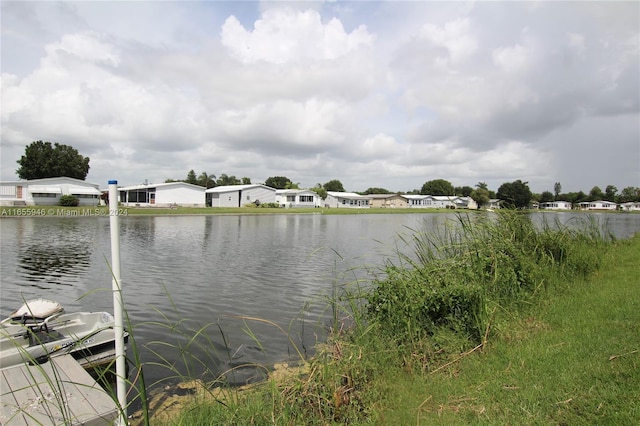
(40,329)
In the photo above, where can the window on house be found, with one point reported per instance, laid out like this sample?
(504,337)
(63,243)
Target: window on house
(306,198)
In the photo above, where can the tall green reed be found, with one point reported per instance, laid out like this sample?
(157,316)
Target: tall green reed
(459,274)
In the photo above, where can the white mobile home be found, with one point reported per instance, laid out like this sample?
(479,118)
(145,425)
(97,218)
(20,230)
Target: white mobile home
(632,206)
(415,200)
(162,195)
(297,198)
(47,192)
(597,205)
(347,200)
(240,195)
(431,201)
(556,205)
(465,203)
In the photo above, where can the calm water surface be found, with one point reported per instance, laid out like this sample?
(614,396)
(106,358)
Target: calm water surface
(209,272)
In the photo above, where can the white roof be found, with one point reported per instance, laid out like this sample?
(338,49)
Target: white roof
(233,188)
(346,195)
(158,185)
(294,191)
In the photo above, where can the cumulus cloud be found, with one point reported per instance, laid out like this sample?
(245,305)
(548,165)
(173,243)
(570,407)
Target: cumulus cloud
(372,94)
(286,35)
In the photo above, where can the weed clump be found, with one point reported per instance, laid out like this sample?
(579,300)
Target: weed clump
(459,276)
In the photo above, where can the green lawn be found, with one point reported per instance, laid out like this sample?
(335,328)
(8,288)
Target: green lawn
(575,360)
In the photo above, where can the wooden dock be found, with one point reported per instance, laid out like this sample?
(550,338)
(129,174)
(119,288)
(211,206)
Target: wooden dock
(58,392)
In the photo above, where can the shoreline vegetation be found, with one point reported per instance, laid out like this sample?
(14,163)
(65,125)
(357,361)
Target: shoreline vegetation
(489,320)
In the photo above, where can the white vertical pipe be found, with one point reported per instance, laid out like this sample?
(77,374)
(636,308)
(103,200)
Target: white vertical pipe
(116,285)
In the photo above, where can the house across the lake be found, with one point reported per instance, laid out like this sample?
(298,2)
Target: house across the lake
(388,200)
(291,198)
(632,206)
(162,195)
(349,200)
(556,205)
(240,195)
(439,201)
(47,192)
(597,205)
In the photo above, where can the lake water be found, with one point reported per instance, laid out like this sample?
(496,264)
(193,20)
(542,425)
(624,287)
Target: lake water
(211,273)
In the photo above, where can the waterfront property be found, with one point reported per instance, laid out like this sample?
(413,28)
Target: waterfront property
(162,195)
(556,205)
(597,205)
(347,200)
(632,206)
(439,201)
(47,192)
(239,195)
(465,203)
(388,200)
(494,204)
(291,198)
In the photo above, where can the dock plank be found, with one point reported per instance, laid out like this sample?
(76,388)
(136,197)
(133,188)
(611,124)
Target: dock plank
(57,392)
(8,399)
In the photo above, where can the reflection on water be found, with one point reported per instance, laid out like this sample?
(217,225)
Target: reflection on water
(206,275)
(53,255)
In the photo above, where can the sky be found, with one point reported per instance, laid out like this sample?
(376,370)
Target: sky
(371,93)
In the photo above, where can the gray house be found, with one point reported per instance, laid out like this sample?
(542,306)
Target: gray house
(162,195)
(47,192)
(348,200)
(240,195)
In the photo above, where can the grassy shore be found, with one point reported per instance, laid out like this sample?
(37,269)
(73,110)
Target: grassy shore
(490,322)
(573,358)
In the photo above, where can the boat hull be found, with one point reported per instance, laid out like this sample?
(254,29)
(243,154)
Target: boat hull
(88,336)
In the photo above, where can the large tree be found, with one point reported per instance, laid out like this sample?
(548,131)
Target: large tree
(463,191)
(610,193)
(191,177)
(377,191)
(557,189)
(437,187)
(318,189)
(515,194)
(546,197)
(207,180)
(224,180)
(44,160)
(333,186)
(278,182)
(596,194)
(630,193)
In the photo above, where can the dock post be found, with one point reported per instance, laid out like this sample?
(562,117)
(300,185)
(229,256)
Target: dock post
(116,284)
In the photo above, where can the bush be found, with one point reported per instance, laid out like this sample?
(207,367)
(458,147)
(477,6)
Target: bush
(69,201)
(413,304)
(455,277)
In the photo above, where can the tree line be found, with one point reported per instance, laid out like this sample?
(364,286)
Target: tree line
(45,160)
